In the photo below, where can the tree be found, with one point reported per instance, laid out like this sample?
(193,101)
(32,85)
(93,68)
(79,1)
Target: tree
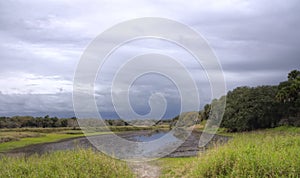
(251,108)
(288,91)
(289,96)
(293,75)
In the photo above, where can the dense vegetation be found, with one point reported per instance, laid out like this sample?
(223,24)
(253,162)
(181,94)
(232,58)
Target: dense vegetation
(29,121)
(76,163)
(253,155)
(54,122)
(250,108)
(268,153)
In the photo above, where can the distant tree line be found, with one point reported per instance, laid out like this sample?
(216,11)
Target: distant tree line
(250,108)
(29,121)
(47,121)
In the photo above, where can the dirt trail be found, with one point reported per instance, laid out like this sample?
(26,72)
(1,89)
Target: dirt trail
(145,169)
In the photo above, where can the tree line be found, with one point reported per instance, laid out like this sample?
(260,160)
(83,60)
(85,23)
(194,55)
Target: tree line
(29,121)
(47,121)
(250,108)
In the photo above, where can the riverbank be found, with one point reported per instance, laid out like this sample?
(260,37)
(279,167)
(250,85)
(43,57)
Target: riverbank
(190,146)
(21,137)
(264,153)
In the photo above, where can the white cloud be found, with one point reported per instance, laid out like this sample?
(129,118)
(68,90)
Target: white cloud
(25,83)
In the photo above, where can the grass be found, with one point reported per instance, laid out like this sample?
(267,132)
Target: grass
(39,130)
(20,137)
(174,167)
(269,153)
(15,136)
(52,137)
(264,153)
(76,163)
(285,129)
(41,138)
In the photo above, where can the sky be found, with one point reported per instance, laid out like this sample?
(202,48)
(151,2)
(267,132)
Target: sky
(41,42)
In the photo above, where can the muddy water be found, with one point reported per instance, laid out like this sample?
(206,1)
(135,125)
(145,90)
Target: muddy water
(190,146)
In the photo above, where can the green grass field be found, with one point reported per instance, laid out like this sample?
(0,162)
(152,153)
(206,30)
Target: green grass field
(268,153)
(79,164)
(15,136)
(28,136)
(264,153)
(51,137)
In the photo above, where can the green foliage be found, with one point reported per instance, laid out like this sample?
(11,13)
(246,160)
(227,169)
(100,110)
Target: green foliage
(251,108)
(289,95)
(204,114)
(60,123)
(39,130)
(116,122)
(29,121)
(285,129)
(78,163)
(288,91)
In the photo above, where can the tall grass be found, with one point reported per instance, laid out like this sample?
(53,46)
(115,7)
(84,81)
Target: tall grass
(252,155)
(77,163)
(265,153)
(15,136)
(175,167)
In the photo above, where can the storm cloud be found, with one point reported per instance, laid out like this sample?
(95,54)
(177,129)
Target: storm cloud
(257,43)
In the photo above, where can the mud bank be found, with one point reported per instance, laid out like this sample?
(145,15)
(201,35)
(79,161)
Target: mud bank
(190,146)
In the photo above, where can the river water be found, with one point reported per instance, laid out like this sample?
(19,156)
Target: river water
(188,147)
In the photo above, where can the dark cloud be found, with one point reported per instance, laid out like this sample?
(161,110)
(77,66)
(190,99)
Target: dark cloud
(257,43)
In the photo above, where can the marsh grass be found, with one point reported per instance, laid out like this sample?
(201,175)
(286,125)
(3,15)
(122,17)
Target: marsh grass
(76,163)
(269,153)
(252,155)
(15,136)
(34,140)
(175,167)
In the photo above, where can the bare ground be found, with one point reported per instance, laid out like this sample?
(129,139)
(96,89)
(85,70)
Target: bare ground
(145,169)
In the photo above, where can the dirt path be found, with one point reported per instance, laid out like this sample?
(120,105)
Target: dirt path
(145,169)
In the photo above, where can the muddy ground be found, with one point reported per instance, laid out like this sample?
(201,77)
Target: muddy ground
(190,147)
